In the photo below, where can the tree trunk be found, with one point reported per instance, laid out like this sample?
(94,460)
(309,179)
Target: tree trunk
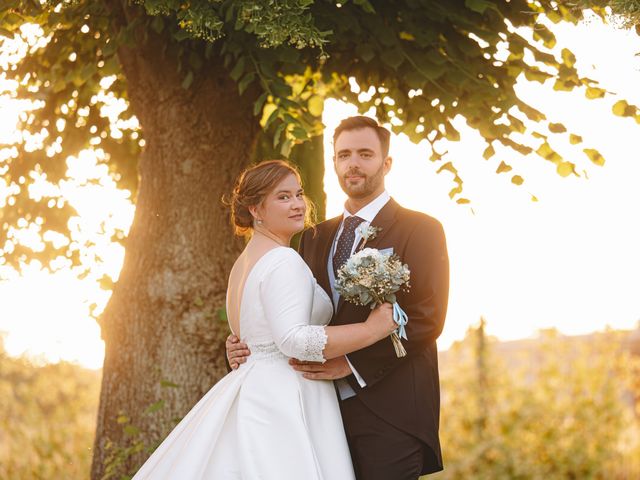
(163,327)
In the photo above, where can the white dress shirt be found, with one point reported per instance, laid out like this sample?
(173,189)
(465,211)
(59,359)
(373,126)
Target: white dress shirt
(367,213)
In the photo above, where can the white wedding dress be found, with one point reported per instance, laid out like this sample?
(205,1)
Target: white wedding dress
(264,421)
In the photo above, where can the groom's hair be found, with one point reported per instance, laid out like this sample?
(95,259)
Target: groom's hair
(358,122)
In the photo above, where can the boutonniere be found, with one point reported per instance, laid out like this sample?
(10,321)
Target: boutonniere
(367,232)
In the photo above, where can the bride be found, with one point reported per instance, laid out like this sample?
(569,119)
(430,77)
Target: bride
(264,420)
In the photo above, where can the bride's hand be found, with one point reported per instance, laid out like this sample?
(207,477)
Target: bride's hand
(380,321)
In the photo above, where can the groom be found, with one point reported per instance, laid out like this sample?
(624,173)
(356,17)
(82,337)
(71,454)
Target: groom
(390,406)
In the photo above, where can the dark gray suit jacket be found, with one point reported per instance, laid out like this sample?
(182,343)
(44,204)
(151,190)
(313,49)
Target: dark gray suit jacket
(403,391)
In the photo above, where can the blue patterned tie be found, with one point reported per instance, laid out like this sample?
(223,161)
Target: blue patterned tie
(345,242)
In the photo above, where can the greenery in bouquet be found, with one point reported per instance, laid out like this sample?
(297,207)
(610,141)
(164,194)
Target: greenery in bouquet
(371,278)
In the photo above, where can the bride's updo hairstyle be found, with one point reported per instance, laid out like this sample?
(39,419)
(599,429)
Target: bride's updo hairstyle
(252,187)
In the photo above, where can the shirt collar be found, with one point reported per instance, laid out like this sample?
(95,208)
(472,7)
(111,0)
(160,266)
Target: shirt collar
(369,211)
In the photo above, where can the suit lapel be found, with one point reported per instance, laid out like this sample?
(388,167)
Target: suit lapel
(384,220)
(326,239)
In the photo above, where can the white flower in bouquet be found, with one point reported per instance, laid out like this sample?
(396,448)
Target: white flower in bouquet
(371,278)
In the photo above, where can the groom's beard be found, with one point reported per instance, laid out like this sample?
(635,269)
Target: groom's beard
(365,188)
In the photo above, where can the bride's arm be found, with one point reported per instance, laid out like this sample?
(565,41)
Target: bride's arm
(287,296)
(343,339)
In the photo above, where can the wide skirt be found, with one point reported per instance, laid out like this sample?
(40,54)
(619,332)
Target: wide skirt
(262,421)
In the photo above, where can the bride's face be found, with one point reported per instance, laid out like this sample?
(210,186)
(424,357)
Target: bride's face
(283,210)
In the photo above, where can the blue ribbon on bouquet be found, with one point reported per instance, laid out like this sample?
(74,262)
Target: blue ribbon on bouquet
(401,319)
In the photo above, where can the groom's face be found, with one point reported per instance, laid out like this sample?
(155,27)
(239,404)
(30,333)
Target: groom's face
(359,163)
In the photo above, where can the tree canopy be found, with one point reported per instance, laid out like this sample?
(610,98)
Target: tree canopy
(418,63)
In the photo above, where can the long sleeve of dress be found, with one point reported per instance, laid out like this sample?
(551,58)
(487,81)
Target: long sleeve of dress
(287,293)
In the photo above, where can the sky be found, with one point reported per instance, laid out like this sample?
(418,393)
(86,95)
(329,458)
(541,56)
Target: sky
(569,261)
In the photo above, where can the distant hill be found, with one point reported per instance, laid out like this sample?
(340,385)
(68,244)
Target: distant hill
(514,352)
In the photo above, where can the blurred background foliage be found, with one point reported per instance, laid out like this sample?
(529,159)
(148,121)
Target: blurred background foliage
(555,407)
(47,419)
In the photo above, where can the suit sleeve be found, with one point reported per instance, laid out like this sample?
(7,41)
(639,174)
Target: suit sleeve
(425,304)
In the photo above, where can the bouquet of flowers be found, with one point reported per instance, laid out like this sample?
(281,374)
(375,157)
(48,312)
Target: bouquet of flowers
(371,278)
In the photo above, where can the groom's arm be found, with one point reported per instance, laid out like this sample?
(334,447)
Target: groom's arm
(425,303)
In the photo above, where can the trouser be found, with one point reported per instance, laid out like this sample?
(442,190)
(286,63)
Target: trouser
(379,450)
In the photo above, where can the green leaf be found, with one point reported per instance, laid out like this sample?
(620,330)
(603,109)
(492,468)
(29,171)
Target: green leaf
(245,82)
(563,86)
(543,34)
(554,16)
(257,106)
(451,133)
(285,148)
(565,169)
(280,88)
(278,134)
(448,166)
(181,35)
(316,105)
(365,5)
(503,167)
(536,75)
(619,108)
(594,156)
(479,6)
(455,191)
(168,384)
(539,135)
(546,152)
(154,407)
(575,139)
(407,36)
(238,69)
(557,128)
(106,283)
(622,109)
(593,92)
(272,116)
(300,133)
(568,58)
(392,57)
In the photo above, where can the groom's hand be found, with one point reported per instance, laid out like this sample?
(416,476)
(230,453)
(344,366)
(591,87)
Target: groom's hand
(329,370)
(237,352)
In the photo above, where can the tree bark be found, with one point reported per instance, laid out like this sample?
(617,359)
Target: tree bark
(163,325)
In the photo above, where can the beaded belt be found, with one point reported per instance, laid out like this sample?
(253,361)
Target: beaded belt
(264,351)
